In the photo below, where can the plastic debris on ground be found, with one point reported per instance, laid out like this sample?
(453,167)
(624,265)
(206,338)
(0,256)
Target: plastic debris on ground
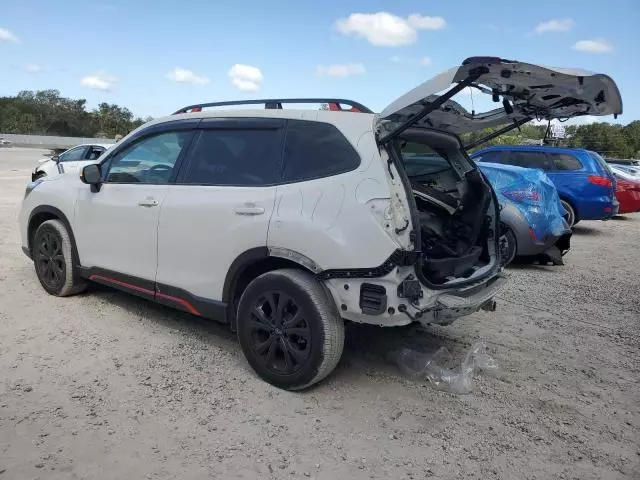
(437,368)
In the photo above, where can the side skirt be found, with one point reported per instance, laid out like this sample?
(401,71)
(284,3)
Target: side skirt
(163,294)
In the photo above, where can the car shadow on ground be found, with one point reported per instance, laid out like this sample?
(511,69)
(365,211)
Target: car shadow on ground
(584,230)
(623,218)
(528,263)
(368,348)
(160,315)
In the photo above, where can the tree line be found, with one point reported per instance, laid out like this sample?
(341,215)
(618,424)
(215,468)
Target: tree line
(46,112)
(609,140)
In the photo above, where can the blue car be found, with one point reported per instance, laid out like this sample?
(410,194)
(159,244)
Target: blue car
(531,214)
(585,183)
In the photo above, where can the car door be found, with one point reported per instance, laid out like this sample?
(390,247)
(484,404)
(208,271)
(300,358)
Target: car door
(568,174)
(220,206)
(116,225)
(69,160)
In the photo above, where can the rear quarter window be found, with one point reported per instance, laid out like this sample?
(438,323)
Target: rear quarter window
(316,150)
(601,162)
(563,161)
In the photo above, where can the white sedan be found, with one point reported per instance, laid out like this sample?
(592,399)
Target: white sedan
(71,160)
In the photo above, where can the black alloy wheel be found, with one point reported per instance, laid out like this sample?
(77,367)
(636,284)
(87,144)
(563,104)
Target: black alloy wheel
(289,328)
(49,259)
(280,334)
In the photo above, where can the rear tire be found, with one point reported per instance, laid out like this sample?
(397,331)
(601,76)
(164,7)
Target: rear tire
(51,250)
(289,329)
(570,215)
(508,246)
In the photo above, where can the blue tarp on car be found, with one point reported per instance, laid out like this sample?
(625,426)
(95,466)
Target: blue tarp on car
(531,190)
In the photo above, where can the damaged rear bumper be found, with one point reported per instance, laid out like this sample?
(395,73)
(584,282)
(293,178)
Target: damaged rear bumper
(465,301)
(556,249)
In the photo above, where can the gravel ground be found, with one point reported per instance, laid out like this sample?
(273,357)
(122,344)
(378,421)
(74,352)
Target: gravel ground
(104,385)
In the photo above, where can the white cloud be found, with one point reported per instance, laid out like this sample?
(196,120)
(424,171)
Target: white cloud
(341,70)
(383,29)
(8,36)
(555,25)
(33,68)
(182,75)
(423,22)
(99,81)
(598,45)
(423,61)
(245,77)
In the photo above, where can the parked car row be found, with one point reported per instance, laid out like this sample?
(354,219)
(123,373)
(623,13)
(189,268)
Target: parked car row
(287,223)
(585,182)
(627,187)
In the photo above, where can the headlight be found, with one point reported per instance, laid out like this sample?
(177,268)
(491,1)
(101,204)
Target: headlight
(32,185)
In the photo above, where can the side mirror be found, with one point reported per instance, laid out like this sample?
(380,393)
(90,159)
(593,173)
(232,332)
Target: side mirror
(91,175)
(55,158)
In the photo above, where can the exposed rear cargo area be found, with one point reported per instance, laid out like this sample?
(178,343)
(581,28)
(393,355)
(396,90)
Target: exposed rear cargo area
(455,207)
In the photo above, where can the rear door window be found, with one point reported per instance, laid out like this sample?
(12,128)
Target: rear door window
(239,157)
(527,160)
(316,150)
(563,161)
(94,152)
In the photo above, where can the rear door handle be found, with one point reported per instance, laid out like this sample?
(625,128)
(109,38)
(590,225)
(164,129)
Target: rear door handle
(249,209)
(148,202)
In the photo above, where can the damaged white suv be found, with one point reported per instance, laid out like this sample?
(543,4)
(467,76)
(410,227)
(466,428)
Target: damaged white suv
(285,223)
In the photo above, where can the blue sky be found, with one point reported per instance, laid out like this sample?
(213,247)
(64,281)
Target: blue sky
(155,57)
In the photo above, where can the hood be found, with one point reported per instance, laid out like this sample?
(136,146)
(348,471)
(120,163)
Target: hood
(524,91)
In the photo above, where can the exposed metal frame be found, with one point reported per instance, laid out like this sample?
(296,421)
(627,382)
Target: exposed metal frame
(276,103)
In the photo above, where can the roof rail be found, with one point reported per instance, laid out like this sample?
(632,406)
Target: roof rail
(276,103)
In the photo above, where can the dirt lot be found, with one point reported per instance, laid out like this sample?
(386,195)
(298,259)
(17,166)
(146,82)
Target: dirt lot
(107,386)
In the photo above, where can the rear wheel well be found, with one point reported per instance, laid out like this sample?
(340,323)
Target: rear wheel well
(573,205)
(251,272)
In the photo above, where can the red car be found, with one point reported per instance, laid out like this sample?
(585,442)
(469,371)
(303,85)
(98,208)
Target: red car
(627,188)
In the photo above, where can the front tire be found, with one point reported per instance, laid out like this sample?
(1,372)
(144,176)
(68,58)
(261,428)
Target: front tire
(53,260)
(289,329)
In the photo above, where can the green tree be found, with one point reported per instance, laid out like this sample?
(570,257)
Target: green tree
(47,112)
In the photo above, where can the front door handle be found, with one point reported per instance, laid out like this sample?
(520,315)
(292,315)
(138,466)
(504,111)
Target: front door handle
(249,209)
(148,202)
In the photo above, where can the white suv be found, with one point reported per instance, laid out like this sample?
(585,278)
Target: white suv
(285,223)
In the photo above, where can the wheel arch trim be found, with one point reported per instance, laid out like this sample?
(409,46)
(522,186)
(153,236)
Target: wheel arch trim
(48,209)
